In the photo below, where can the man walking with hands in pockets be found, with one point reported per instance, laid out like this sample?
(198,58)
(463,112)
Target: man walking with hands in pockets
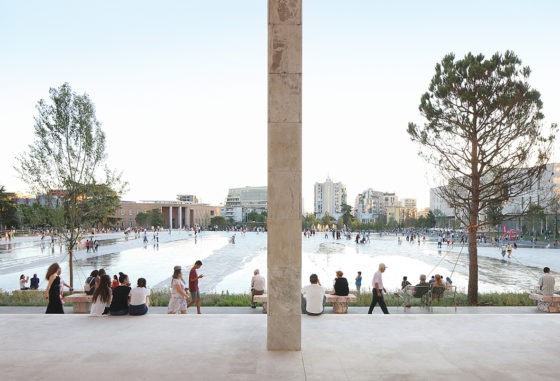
(378,290)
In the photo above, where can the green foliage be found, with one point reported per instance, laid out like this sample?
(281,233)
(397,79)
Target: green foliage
(534,216)
(494,215)
(484,135)
(256,219)
(347,216)
(8,210)
(66,159)
(219,221)
(309,221)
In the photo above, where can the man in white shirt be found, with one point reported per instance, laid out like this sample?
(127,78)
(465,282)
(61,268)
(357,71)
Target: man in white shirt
(257,286)
(313,297)
(546,283)
(378,290)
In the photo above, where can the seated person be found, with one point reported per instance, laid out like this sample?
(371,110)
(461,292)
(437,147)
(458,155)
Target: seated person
(313,297)
(22,282)
(421,288)
(438,287)
(405,282)
(546,283)
(102,296)
(341,285)
(34,282)
(139,298)
(120,301)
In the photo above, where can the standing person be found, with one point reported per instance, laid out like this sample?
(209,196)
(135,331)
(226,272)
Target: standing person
(546,283)
(313,297)
(257,286)
(341,285)
(52,292)
(34,282)
(121,296)
(139,298)
(179,296)
(359,281)
(378,290)
(101,299)
(193,286)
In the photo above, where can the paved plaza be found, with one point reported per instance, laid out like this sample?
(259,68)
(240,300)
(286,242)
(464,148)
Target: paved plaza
(401,346)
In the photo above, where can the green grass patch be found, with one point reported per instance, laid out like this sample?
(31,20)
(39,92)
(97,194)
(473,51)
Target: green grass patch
(160,298)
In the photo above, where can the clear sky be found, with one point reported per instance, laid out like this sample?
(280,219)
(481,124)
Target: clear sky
(180,86)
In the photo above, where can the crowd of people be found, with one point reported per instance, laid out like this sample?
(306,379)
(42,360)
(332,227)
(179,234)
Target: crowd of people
(115,296)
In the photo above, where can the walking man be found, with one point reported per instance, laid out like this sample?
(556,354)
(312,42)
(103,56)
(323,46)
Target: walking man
(378,290)
(257,286)
(193,286)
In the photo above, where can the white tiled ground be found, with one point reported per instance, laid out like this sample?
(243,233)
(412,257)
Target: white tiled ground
(233,347)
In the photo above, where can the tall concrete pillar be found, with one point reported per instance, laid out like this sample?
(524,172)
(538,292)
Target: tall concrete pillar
(180,217)
(284,175)
(170,217)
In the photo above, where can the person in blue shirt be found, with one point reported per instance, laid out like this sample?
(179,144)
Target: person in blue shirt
(359,281)
(34,285)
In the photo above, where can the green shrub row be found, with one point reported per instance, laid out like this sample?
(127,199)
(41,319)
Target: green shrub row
(225,299)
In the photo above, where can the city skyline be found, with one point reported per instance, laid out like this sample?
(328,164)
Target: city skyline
(180,89)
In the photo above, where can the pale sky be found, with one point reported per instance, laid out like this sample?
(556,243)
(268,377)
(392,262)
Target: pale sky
(180,87)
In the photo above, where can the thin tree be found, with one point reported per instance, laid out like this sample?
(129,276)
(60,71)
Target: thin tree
(484,134)
(66,159)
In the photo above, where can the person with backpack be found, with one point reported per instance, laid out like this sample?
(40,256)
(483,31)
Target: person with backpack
(89,286)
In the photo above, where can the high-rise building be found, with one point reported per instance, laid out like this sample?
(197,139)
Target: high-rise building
(329,198)
(241,201)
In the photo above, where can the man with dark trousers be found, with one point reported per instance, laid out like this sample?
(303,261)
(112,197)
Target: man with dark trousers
(378,290)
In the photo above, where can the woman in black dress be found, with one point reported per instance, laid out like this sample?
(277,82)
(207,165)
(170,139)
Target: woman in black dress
(53,290)
(341,285)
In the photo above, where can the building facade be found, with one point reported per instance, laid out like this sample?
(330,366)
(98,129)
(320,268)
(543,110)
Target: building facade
(329,198)
(242,201)
(544,193)
(176,214)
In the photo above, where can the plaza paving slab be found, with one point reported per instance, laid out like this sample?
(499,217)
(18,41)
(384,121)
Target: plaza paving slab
(233,347)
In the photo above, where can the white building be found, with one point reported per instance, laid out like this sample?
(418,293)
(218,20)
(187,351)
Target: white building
(329,198)
(242,201)
(369,206)
(542,193)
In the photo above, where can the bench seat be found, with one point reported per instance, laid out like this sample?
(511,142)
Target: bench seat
(81,303)
(340,303)
(546,303)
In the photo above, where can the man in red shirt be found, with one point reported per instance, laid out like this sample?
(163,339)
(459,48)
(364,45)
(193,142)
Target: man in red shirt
(193,285)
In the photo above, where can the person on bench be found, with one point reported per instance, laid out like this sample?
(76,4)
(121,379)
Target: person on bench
(313,297)
(438,287)
(421,288)
(546,283)
(341,285)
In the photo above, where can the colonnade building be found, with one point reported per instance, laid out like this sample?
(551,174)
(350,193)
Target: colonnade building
(176,214)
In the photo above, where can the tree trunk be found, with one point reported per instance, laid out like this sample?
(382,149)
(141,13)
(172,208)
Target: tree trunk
(71,266)
(473,264)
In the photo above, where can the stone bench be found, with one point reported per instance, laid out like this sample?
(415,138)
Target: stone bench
(340,303)
(262,299)
(81,303)
(546,303)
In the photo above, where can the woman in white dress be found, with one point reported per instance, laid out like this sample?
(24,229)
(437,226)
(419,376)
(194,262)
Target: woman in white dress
(178,300)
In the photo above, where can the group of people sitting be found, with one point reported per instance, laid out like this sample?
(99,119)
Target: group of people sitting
(435,287)
(313,295)
(23,280)
(116,296)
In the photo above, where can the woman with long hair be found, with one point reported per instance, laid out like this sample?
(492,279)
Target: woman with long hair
(101,299)
(178,300)
(52,292)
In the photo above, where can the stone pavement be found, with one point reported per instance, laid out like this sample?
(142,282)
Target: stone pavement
(233,347)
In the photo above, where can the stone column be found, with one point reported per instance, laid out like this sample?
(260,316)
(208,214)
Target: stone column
(170,217)
(180,217)
(284,175)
